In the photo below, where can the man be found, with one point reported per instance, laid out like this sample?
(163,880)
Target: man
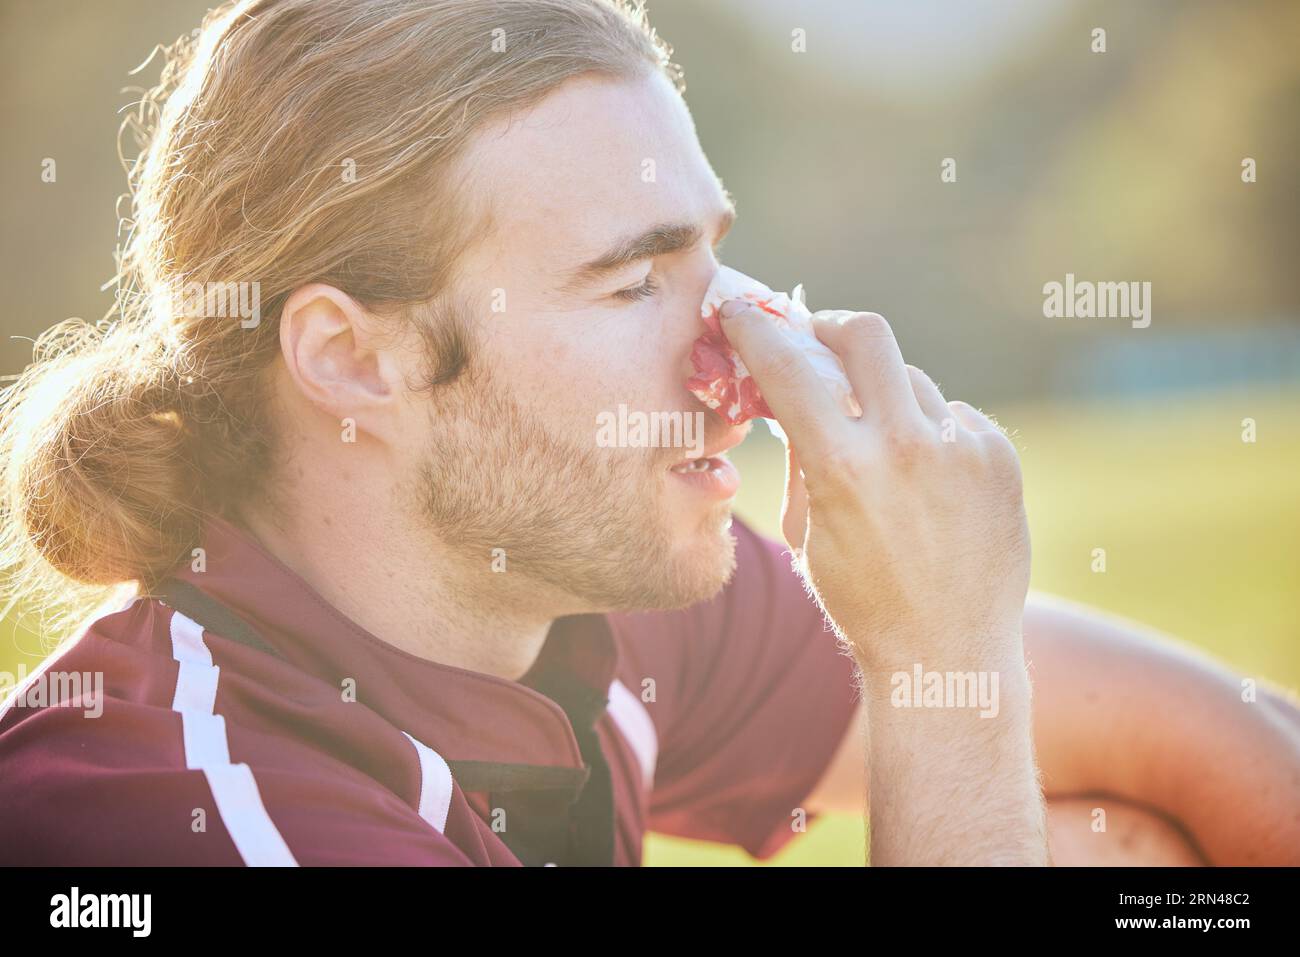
(398,606)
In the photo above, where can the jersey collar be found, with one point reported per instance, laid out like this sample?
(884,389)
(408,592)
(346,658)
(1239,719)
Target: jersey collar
(466,716)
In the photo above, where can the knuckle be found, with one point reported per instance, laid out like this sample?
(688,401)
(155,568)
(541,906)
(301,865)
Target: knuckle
(967,447)
(1001,452)
(867,325)
(997,440)
(923,380)
(968,415)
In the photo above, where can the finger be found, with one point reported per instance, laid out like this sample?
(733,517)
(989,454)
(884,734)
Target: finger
(787,381)
(866,345)
(794,508)
(972,418)
(928,396)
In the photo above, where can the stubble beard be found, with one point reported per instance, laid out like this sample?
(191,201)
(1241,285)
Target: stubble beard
(576,521)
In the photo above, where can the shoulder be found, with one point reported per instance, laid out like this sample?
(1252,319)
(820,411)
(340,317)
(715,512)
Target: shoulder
(117,751)
(91,746)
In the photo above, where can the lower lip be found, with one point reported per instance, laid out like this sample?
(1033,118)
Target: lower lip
(719,480)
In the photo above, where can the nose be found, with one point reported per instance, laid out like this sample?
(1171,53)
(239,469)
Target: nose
(690,325)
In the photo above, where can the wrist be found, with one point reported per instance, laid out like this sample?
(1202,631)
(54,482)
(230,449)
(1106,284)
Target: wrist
(955,785)
(997,650)
(979,702)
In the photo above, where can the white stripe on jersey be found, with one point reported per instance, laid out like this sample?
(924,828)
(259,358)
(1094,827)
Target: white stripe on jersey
(634,721)
(435,785)
(207,749)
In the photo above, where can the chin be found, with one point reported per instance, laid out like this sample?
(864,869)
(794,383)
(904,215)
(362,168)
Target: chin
(707,555)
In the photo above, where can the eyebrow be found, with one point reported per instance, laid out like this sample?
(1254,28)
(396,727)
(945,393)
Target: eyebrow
(658,240)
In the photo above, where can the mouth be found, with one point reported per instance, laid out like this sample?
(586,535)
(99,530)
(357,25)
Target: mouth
(712,473)
(713,476)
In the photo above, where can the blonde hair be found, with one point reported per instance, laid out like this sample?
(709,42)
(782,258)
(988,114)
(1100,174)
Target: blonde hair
(121,436)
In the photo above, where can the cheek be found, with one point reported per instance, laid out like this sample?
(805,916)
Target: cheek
(569,380)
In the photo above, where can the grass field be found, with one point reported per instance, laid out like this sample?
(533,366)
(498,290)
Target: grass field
(1201,532)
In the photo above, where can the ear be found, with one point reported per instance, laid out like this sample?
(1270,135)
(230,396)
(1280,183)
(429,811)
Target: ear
(336,359)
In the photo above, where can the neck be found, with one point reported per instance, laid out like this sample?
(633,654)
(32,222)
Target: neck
(405,588)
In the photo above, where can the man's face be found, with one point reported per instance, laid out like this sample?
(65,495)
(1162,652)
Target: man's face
(514,461)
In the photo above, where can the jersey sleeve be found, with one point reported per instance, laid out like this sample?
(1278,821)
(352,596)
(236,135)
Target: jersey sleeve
(752,697)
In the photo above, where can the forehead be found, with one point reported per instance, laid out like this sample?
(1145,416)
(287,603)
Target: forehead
(594,159)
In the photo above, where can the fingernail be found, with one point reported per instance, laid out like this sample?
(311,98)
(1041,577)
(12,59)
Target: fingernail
(733,306)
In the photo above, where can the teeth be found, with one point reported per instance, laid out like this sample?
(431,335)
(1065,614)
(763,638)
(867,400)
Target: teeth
(695,465)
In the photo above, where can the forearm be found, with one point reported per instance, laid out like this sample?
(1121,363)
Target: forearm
(949,787)
(1134,715)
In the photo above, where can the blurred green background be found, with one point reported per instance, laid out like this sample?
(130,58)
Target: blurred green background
(1116,166)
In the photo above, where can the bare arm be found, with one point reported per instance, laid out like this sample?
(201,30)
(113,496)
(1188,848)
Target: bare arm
(1139,721)
(1131,713)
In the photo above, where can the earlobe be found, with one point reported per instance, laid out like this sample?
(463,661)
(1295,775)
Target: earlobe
(335,358)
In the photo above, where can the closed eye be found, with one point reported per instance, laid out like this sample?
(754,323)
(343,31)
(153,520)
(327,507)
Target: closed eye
(649,287)
(636,293)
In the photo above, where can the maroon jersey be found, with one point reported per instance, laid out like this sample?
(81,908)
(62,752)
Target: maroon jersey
(241,719)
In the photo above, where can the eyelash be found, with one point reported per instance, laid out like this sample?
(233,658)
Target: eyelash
(649,287)
(643,291)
